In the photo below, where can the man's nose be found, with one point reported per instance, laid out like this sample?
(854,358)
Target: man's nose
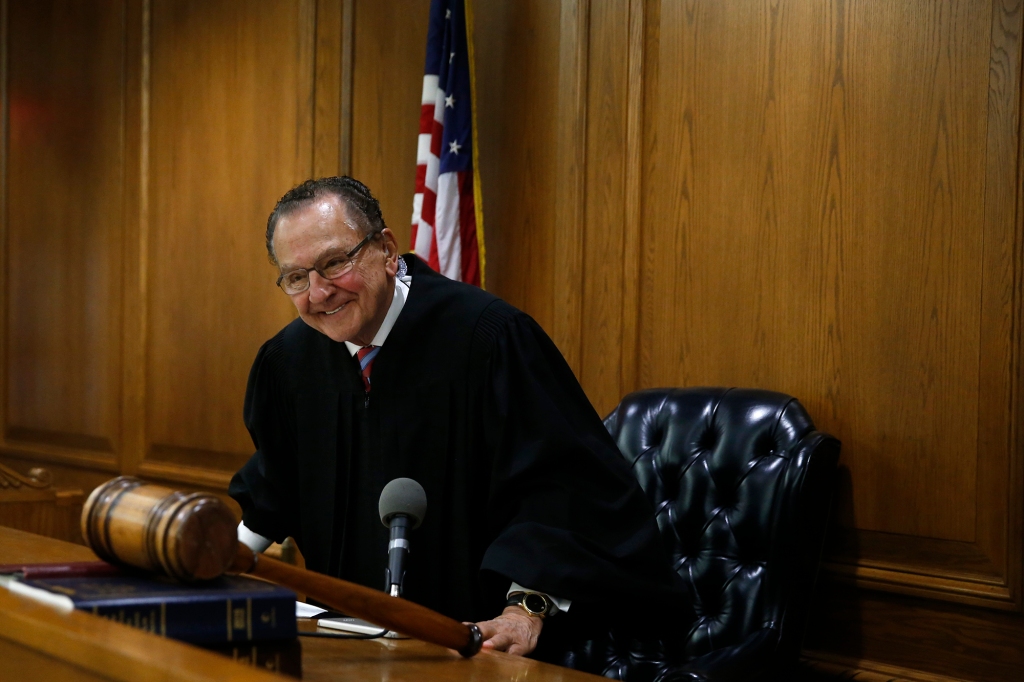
(320,288)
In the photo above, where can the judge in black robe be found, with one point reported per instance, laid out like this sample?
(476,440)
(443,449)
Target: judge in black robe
(471,399)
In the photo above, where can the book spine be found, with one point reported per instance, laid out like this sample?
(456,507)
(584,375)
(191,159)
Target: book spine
(280,656)
(208,621)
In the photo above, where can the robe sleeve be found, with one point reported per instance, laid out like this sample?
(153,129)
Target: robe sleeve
(566,515)
(265,485)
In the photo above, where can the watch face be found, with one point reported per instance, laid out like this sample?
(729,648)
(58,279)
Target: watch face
(535,603)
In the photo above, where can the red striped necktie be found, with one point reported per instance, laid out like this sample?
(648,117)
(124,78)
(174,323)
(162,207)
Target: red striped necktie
(366,356)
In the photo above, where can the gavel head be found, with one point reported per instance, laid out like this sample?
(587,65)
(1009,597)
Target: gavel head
(188,536)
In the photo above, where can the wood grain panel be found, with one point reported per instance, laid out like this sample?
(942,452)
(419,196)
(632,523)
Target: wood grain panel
(231,128)
(946,639)
(632,233)
(1011,13)
(601,327)
(387,83)
(63,186)
(815,228)
(518,140)
(348,27)
(138,42)
(571,165)
(328,88)
(999,415)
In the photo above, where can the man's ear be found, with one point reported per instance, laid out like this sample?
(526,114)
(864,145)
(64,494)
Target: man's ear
(389,239)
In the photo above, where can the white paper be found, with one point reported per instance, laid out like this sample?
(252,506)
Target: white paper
(304,610)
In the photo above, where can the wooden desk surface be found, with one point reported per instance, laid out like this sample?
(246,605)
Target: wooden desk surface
(35,639)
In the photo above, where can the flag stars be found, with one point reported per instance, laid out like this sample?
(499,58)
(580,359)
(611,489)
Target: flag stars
(454,147)
(447,14)
(449,102)
(451,58)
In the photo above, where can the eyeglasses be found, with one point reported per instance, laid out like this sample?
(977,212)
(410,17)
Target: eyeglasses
(331,266)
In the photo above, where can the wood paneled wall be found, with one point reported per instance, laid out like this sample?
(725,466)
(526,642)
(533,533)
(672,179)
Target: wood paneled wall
(822,198)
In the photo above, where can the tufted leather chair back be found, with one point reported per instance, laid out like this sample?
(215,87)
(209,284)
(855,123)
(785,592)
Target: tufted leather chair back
(741,483)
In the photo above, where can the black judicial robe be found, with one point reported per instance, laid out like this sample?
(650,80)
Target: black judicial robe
(472,399)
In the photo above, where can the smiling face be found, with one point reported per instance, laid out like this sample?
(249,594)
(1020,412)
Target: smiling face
(353,306)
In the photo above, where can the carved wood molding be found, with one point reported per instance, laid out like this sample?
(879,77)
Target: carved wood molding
(950,571)
(46,452)
(973,591)
(183,473)
(37,477)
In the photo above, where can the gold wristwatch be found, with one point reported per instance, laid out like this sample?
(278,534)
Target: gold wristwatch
(535,604)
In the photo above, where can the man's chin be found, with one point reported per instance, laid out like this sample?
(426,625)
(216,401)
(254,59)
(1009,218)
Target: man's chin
(335,329)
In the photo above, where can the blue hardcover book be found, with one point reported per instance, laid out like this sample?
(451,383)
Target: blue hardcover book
(228,609)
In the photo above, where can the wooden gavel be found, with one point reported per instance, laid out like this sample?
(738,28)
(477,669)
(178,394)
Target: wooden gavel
(192,536)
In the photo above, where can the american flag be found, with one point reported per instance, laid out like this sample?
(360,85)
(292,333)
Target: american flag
(447,218)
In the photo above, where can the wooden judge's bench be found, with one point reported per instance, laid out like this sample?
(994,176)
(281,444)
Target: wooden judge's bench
(38,643)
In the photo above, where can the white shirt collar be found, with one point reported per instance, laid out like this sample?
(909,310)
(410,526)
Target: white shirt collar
(397,303)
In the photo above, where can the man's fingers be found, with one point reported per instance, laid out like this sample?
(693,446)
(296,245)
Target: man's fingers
(518,649)
(511,632)
(499,642)
(493,635)
(487,629)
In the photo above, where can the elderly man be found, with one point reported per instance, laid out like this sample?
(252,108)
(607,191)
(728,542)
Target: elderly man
(392,370)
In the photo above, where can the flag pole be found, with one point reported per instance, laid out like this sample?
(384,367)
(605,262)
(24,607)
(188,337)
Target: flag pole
(478,201)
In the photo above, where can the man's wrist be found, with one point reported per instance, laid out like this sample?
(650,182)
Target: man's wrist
(517,614)
(532,604)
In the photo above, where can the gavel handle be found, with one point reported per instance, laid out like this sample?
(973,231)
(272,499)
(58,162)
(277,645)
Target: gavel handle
(393,613)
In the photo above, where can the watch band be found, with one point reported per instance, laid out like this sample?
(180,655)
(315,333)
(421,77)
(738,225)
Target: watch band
(536,604)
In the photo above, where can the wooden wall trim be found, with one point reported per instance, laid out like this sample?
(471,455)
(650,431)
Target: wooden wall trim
(348,37)
(41,452)
(191,475)
(4,138)
(1015,515)
(923,635)
(992,594)
(632,235)
(308,65)
(327,88)
(570,207)
(136,233)
(939,569)
(76,442)
(1000,321)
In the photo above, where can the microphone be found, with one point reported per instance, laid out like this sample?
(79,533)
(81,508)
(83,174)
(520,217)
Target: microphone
(402,506)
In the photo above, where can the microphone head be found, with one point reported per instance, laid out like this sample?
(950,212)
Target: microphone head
(403,496)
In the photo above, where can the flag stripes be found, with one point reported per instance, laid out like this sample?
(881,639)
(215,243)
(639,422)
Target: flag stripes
(445,212)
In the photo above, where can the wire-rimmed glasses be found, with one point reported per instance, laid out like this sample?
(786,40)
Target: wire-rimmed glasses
(331,266)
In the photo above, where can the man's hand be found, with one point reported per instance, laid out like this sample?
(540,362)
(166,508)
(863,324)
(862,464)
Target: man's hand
(513,631)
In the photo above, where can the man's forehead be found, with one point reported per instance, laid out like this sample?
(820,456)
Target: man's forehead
(323,224)
(327,212)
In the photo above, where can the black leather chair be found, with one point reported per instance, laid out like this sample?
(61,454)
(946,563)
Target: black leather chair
(742,484)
